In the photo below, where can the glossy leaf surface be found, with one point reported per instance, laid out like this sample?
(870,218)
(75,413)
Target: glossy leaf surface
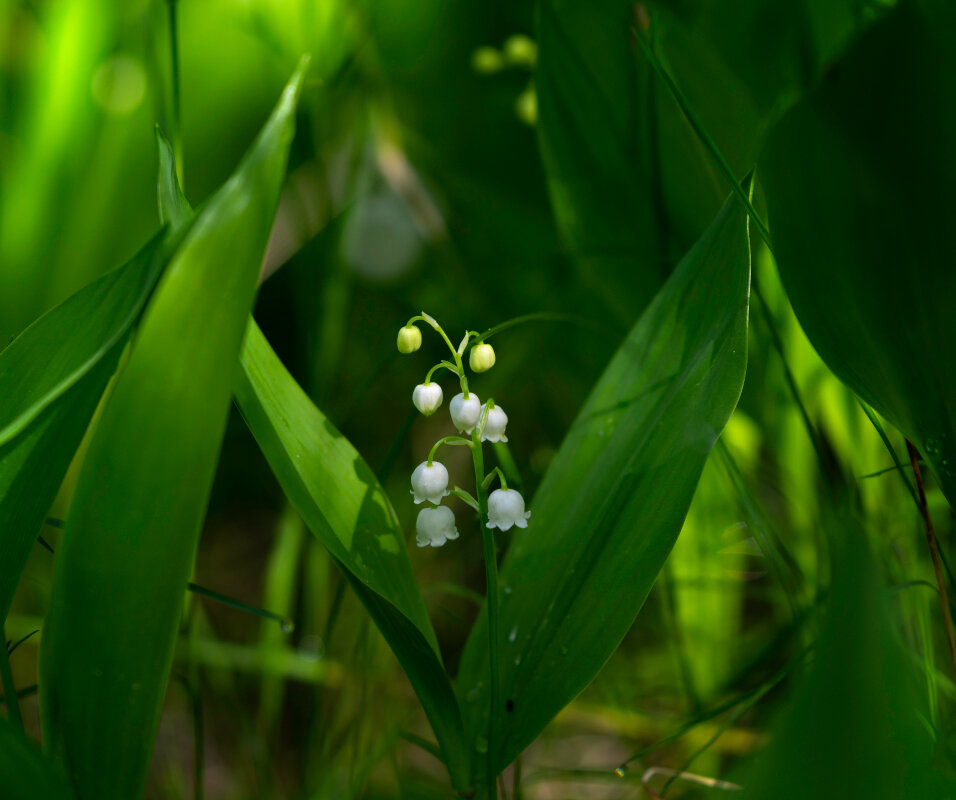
(614,498)
(342,503)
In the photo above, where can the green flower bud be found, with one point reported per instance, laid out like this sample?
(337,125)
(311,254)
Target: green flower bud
(409,339)
(521,51)
(482,358)
(486,60)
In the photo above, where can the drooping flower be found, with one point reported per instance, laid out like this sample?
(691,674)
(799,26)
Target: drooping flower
(409,339)
(430,482)
(494,425)
(482,357)
(435,526)
(427,397)
(506,508)
(465,411)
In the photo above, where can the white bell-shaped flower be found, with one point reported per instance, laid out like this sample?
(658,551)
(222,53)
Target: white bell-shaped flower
(427,398)
(494,425)
(506,508)
(435,526)
(430,482)
(465,411)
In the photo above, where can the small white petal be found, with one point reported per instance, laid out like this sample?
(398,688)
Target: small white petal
(435,526)
(465,412)
(495,425)
(430,482)
(427,398)
(505,509)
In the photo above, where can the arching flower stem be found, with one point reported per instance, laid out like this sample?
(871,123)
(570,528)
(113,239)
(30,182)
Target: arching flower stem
(486,483)
(460,441)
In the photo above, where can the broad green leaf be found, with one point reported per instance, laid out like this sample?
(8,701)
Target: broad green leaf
(51,378)
(134,525)
(25,773)
(856,725)
(613,500)
(342,503)
(860,180)
(593,138)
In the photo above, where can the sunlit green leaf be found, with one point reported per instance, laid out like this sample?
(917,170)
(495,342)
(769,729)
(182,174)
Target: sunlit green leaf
(342,503)
(861,189)
(615,496)
(134,524)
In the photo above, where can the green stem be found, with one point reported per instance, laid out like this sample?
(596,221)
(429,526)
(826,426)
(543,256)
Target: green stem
(491,587)
(440,365)
(490,477)
(9,690)
(452,440)
(175,128)
(461,368)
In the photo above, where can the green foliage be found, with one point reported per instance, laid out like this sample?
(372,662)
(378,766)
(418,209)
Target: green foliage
(869,172)
(61,365)
(343,504)
(615,496)
(133,529)
(855,727)
(25,773)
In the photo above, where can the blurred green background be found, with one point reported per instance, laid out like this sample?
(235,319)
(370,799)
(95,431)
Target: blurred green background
(418,181)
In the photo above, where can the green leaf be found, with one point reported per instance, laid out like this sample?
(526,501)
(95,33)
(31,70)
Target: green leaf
(592,135)
(854,728)
(25,773)
(355,521)
(174,208)
(134,525)
(51,378)
(342,503)
(613,500)
(860,180)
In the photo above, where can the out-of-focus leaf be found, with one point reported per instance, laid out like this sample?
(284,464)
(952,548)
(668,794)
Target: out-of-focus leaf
(853,729)
(51,379)
(134,525)
(174,208)
(860,180)
(340,500)
(615,496)
(592,129)
(25,773)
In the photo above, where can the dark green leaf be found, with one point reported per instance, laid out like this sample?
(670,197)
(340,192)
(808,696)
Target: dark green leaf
(592,125)
(854,728)
(25,773)
(340,500)
(133,529)
(860,180)
(615,496)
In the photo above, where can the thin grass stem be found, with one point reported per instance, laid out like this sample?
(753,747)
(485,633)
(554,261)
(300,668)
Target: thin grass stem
(933,552)
(9,690)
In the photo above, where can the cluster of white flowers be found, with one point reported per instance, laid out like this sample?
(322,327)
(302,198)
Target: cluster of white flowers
(484,422)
